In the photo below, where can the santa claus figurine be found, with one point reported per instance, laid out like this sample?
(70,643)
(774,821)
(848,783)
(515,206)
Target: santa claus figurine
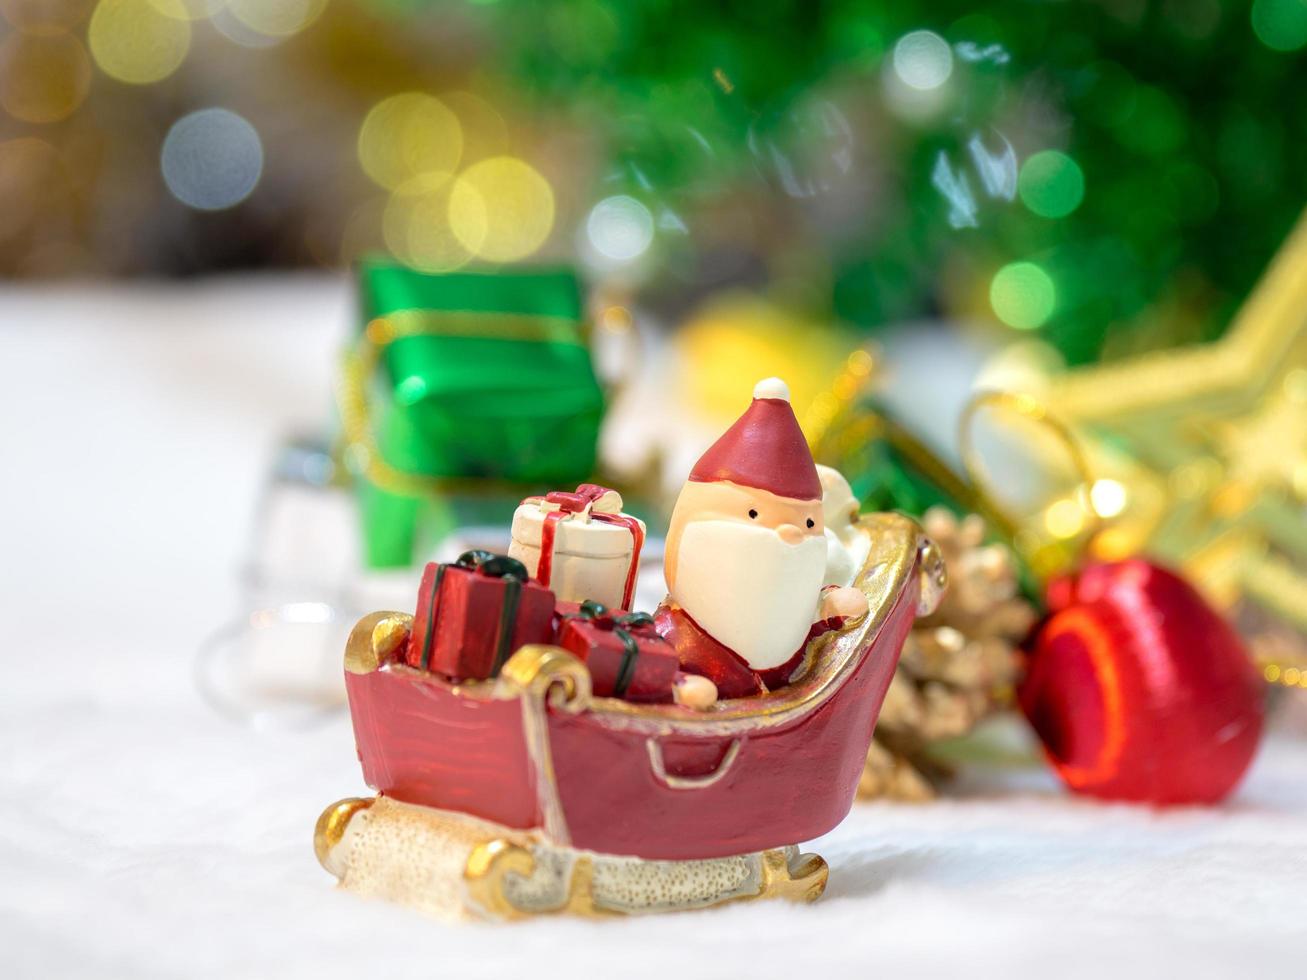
(746,558)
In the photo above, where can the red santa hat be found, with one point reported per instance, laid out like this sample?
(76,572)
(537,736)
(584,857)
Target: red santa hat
(764,449)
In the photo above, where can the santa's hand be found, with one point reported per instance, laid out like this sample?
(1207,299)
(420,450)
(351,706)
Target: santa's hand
(694,691)
(845,603)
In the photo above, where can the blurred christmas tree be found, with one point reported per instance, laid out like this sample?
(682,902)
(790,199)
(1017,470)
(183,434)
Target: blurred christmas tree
(1103,173)
(1108,176)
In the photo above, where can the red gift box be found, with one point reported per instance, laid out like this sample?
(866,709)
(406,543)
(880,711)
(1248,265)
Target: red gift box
(623,652)
(474,613)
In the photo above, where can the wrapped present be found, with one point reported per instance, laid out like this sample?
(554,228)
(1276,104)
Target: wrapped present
(473,613)
(623,652)
(580,544)
(483,376)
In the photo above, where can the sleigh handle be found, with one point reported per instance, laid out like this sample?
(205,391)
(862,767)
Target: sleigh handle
(659,767)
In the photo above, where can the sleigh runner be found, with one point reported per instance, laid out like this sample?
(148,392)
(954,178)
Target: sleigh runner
(537,796)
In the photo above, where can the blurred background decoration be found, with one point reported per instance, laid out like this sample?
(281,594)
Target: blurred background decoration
(1048,190)
(861,162)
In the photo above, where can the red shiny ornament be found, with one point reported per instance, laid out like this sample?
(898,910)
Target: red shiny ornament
(1139,690)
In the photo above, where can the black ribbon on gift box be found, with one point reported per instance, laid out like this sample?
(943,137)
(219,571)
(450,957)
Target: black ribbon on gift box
(598,614)
(514,574)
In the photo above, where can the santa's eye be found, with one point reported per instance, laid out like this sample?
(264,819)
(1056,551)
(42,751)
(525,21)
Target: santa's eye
(753,514)
(811,522)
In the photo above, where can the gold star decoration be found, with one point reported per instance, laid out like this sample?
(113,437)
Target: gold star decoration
(1209,444)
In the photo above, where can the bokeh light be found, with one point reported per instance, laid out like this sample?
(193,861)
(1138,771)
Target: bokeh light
(276,18)
(501,209)
(1064,518)
(43,78)
(237,31)
(45,17)
(923,60)
(408,135)
(189,9)
(1051,184)
(212,159)
(136,42)
(1108,497)
(1022,295)
(619,229)
(416,225)
(1281,25)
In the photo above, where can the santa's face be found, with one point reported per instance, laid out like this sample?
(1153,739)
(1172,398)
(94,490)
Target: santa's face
(747,566)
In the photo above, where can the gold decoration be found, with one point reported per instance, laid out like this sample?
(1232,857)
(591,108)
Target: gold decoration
(782,873)
(1045,555)
(543,676)
(389,634)
(490,862)
(801,880)
(374,638)
(484,876)
(547,671)
(1208,445)
(330,828)
(959,663)
(933,577)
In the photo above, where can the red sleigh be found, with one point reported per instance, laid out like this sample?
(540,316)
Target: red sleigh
(533,750)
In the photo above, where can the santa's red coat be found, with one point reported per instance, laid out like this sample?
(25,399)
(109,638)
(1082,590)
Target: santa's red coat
(701,654)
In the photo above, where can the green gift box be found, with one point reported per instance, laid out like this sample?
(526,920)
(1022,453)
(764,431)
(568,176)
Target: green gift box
(470,376)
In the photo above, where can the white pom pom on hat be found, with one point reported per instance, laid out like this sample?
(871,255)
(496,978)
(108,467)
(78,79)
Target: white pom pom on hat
(772,388)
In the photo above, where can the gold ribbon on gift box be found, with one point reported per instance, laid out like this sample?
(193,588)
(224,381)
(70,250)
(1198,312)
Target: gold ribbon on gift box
(359,367)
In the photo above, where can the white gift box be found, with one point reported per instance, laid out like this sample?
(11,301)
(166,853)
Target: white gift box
(592,548)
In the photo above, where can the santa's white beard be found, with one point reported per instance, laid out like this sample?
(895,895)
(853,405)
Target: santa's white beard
(750,591)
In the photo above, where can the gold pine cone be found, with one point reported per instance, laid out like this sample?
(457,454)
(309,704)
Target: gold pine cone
(959,664)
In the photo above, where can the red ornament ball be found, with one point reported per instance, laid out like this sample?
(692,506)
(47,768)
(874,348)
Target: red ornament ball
(1139,690)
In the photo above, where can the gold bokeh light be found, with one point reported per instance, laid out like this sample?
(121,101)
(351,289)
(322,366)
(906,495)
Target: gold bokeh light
(43,78)
(136,41)
(416,225)
(189,9)
(408,135)
(501,209)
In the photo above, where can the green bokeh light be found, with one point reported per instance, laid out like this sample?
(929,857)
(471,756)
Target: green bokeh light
(1023,295)
(1051,184)
(1281,25)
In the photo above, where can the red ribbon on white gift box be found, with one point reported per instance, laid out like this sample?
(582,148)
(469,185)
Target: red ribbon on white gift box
(589,502)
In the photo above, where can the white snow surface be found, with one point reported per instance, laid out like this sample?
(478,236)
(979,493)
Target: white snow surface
(143,835)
